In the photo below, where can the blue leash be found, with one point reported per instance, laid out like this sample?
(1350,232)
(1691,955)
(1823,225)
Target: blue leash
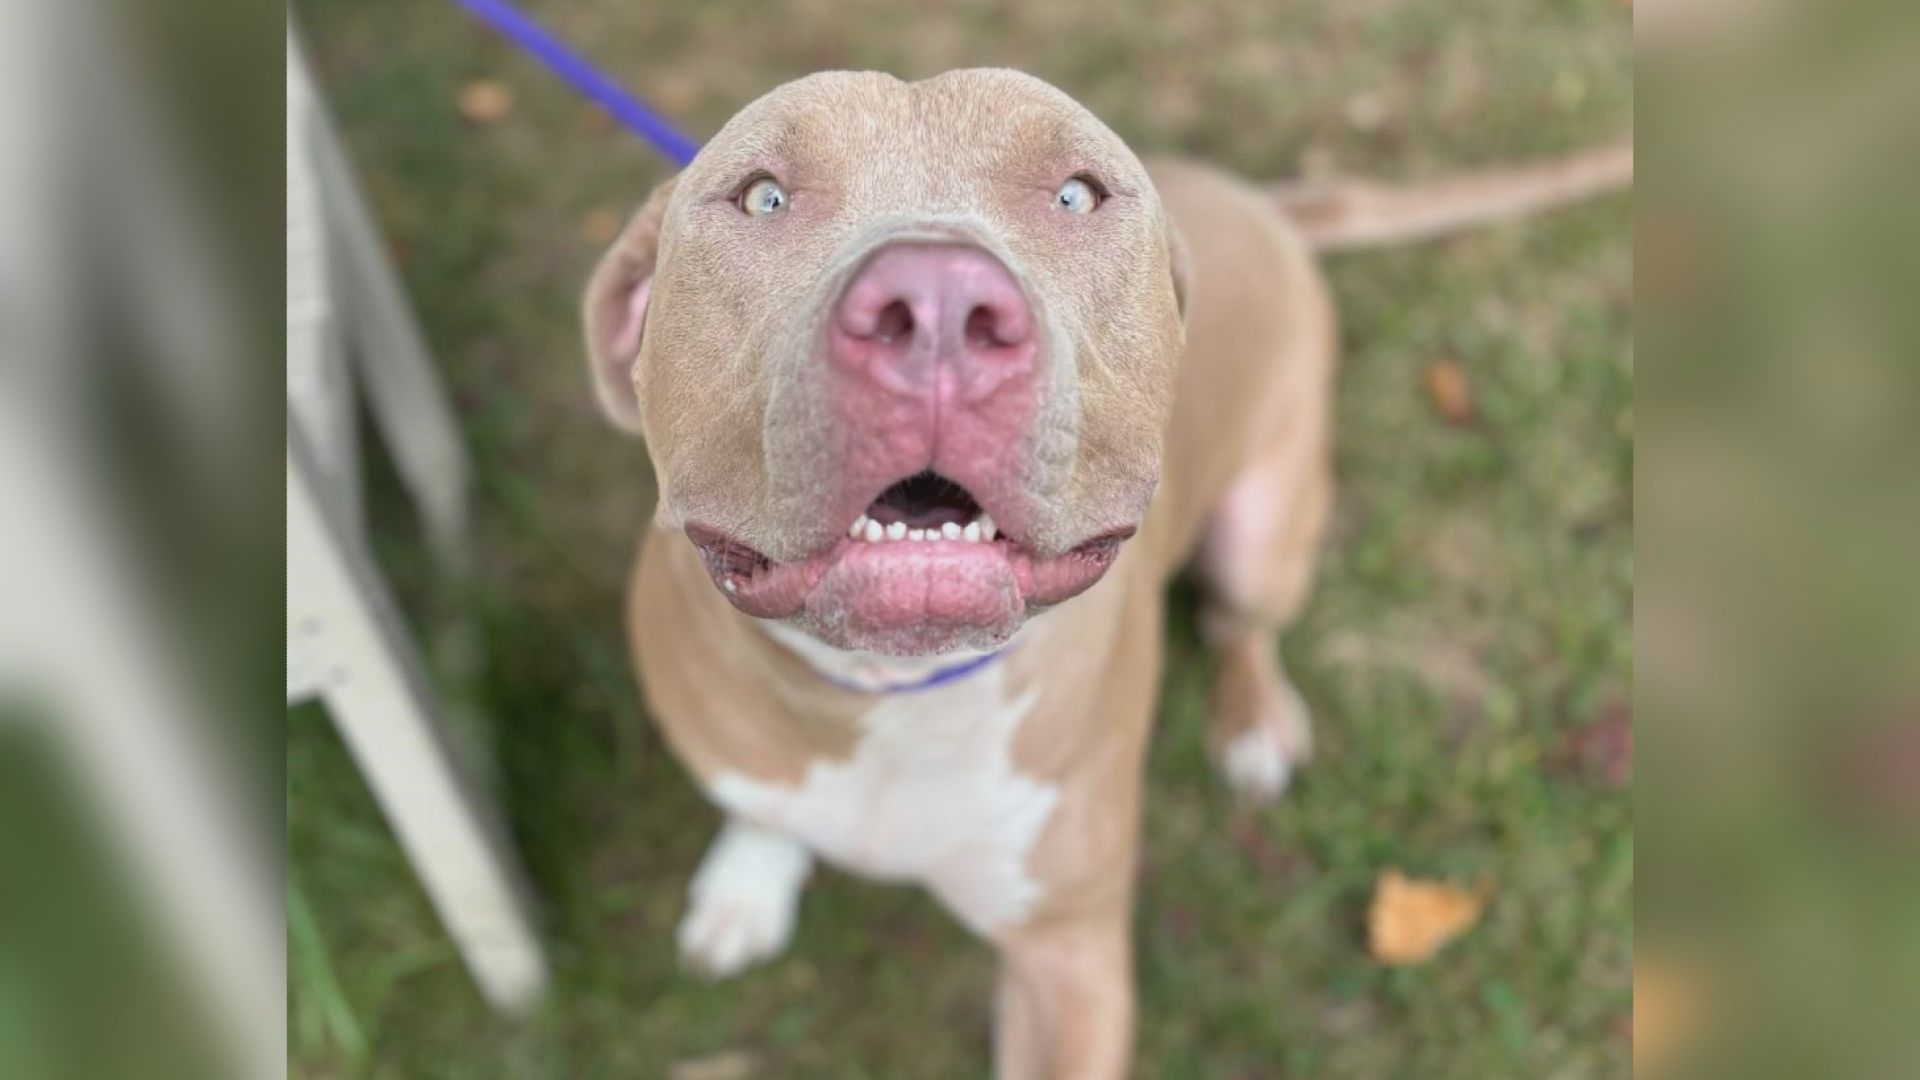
(939,678)
(524,32)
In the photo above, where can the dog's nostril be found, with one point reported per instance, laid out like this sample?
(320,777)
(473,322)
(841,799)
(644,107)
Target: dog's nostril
(980,328)
(987,328)
(895,322)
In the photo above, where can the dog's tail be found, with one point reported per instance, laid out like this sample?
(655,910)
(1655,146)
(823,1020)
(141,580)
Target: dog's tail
(1354,214)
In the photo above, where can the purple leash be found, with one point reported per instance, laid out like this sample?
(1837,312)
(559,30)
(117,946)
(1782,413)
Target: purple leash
(524,32)
(939,678)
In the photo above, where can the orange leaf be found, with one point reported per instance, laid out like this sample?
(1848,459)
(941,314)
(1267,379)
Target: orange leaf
(1664,1000)
(600,226)
(1447,386)
(1412,919)
(486,101)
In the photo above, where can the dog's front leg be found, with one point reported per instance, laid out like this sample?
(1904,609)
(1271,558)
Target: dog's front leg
(742,899)
(1065,1005)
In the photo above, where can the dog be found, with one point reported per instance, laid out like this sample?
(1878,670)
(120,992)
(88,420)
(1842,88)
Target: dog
(941,384)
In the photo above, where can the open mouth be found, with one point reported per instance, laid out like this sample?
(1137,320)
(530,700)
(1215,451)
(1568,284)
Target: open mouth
(924,508)
(924,568)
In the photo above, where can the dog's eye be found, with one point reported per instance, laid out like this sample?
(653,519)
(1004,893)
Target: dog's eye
(764,196)
(1076,196)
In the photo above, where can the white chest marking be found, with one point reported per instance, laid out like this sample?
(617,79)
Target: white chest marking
(929,795)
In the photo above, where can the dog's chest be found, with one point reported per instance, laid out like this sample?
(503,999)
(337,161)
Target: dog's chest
(930,794)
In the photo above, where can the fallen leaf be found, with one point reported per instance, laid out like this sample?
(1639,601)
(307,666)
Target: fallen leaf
(726,1065)
(1411,919)
(486,101)
(1663,1010)
(600,226)
(676,92)
(1447,386)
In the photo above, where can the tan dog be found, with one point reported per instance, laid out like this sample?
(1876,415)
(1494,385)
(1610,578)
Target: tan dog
(941,385)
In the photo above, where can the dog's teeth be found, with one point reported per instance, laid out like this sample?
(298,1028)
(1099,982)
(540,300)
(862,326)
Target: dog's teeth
(874,531)
(971,532)
(988,529)
(858,527)
(730,585)
(917,535)
(897,531)
(950,530)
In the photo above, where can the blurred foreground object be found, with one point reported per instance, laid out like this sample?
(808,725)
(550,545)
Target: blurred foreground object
(345,641)
(124,785)
(1777,609)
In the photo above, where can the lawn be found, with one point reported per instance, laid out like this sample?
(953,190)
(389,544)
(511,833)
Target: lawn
(1467,653)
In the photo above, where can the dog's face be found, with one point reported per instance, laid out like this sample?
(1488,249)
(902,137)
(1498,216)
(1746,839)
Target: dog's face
(903,354)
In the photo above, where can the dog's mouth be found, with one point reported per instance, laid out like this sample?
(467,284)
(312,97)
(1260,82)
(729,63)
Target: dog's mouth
(924,568)
(923,508)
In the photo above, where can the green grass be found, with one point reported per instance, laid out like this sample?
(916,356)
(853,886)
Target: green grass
(1473,610)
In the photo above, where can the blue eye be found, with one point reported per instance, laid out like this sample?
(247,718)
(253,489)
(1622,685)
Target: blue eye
(764,197)
(1076,196)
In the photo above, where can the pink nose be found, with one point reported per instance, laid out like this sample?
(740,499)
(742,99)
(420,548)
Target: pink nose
(917,305)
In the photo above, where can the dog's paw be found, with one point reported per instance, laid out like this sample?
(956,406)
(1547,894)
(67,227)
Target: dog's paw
(1254,765)
(743,901)
(1258,760)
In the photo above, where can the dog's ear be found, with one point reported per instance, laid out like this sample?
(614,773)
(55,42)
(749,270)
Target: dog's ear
(1181,266)
(616,309)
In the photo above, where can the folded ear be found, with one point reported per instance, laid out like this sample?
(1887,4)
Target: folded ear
(616,309)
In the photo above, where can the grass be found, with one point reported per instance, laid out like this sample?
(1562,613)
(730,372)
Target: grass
(1472,617)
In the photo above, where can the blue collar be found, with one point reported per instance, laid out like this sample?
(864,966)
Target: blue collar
(940,677)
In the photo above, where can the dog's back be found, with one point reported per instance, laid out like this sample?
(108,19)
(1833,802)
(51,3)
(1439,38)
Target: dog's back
(1260,345)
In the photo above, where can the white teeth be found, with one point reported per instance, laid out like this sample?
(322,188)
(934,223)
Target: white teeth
(975,531)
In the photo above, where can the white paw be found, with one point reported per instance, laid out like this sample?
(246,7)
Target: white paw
(1258,762)
(1255,765)
(743,900)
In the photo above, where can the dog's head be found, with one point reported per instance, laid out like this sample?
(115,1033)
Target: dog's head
(903,354)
